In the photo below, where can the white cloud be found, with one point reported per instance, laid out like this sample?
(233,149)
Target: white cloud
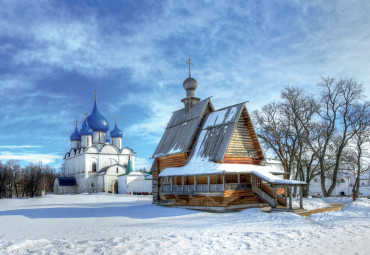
(30,157)
(19,146)
(141,163)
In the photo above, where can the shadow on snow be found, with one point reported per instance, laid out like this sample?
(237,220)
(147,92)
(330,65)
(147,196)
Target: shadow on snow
(99,210)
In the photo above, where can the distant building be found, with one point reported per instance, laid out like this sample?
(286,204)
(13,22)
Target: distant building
(211,158)
(96,159)
(135,183)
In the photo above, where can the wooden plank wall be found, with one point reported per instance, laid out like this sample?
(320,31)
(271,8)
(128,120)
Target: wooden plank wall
(175,160)
(243,147)
(229,198)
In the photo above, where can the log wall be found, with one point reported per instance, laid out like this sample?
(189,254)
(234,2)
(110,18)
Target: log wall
(175,160)
(244,147)
(229,198)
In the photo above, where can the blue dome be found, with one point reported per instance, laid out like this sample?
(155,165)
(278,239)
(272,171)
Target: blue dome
(108,139)
(96,121)
(86,130)
(75,136)
(116,132)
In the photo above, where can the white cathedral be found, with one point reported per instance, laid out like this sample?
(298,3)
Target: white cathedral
(96,159)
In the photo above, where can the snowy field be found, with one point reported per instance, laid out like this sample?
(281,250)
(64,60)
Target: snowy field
(116,224)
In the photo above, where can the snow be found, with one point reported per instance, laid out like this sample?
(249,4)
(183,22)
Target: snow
(116,224)
(199,166)
(220,117)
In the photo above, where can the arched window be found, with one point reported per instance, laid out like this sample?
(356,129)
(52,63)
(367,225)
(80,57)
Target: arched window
(93,167)
(117,170)
(92,185)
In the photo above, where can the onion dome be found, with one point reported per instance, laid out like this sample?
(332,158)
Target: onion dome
(96,121)
(190,84)
(116,132)
(86,130)
(108,139)
(75,136)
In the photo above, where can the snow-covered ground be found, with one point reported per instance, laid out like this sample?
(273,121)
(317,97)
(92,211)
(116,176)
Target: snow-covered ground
(116,224)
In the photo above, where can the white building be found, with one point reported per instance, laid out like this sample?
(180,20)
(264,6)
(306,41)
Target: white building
(345,182)
(96,159)
(135,182)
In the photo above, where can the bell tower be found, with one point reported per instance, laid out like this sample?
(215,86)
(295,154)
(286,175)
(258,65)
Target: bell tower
(190,85)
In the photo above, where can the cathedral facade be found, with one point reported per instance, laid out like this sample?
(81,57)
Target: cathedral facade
(96,158)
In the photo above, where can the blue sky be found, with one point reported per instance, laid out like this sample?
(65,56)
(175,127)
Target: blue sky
(54,54)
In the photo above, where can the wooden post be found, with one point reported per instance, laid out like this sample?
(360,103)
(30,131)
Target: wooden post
(275,196)
(223,180)
(171,184)
(209,183)
(238,178)
(195,183)
(290,198)
(182,177)
(286,195)
(300,197)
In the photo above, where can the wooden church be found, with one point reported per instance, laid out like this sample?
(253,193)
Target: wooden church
(211,159)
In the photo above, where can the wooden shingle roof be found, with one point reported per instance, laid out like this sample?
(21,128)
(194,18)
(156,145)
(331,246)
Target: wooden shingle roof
(216,133)
(181,129)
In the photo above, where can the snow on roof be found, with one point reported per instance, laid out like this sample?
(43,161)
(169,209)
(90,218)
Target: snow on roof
(206,167)
(216,133)
(181,129)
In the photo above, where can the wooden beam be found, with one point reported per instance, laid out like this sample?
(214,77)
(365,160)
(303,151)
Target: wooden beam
(300,197)
(290,198)
(209,183)
(182,177)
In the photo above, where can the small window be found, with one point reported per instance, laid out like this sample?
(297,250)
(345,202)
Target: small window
(93,167)
(92,185)
(117,170)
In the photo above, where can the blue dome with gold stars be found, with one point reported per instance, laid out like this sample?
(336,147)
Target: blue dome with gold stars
(86,130)
(96,121)
(116,132)
(75,136)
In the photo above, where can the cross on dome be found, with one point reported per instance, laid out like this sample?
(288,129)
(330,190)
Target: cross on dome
(189,62)
(95,93)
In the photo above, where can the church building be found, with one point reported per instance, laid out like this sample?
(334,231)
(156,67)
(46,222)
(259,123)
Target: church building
(96,157)
(212,159)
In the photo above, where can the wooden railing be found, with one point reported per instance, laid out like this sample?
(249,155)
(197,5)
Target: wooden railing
(203,188)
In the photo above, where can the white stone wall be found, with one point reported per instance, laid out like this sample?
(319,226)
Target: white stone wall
(134,182)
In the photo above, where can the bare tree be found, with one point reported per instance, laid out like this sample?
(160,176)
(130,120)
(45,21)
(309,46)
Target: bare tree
(337,99)
(275,130)
(33,175)
(360,143)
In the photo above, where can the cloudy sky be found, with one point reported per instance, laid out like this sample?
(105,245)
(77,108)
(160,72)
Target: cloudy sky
(54,54)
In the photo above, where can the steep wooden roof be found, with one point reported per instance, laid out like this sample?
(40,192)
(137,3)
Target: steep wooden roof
(216,133)
(181,129)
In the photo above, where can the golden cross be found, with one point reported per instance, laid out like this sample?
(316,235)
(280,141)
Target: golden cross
(86,115)
(189,62)
(116,118)
(95,93)
(76,122)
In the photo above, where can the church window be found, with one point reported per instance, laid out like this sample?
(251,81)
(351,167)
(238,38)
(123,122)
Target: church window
(94,167)
(92,185)
(117,170)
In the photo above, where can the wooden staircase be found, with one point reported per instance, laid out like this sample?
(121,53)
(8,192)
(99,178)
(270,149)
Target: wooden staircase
(266,194)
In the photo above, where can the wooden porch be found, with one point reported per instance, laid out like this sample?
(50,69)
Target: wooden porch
(243,188)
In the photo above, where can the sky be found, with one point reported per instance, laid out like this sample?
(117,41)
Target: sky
(54,54)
